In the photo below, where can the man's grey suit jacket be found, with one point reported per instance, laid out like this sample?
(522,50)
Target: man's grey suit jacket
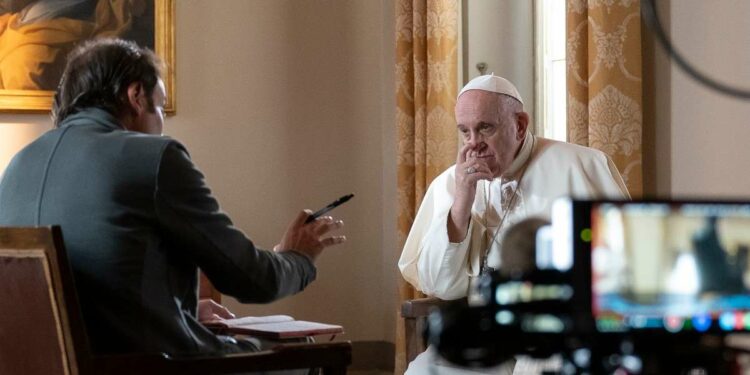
(138,220)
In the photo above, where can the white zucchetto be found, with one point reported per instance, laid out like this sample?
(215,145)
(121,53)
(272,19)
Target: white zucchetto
(492,83)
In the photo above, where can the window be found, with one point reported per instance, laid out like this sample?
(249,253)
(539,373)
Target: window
(551,96)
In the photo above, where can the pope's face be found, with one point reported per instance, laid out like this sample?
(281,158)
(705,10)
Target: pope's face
(493,135)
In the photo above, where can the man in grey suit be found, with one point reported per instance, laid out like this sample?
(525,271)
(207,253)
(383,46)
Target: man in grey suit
(137,217)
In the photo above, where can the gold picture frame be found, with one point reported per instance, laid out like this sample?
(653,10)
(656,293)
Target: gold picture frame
(40,101)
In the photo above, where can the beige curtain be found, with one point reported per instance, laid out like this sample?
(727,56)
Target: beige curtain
(604,82)
(426,76)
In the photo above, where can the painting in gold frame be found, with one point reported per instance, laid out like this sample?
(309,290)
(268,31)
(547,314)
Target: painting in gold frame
(43,37)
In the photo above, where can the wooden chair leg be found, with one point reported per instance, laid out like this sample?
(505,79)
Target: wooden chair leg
(414,344)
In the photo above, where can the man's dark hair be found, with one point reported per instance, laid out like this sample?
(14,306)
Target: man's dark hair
(98,74)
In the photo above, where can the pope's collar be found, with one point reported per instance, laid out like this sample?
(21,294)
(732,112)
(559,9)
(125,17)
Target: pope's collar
(521,159)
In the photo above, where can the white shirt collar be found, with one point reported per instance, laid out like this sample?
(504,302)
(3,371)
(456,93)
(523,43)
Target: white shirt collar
(521,159)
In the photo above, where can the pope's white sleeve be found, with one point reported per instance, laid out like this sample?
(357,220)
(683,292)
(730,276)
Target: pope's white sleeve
(603,179)
(428,260)
(617,180)
(443,265)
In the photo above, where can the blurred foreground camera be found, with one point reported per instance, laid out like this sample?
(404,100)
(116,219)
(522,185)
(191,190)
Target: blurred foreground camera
(504,317)
(619,287)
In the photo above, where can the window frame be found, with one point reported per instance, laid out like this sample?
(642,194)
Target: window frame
(542,74)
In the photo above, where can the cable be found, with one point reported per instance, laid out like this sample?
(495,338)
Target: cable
(651,17)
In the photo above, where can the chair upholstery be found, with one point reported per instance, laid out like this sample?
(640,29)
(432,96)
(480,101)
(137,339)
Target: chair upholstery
(42,331)
(31,320)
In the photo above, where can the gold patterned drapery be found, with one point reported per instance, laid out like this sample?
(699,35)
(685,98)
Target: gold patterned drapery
(426,88)
(604,82)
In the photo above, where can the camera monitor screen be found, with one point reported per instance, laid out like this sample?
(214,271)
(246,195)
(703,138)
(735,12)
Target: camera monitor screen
(670,266)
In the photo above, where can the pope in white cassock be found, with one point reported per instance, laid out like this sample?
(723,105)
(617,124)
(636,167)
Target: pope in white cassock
(502,174)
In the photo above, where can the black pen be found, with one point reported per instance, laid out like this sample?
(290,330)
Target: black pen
(331,206)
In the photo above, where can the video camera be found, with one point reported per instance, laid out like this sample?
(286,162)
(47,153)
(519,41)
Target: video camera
(619,286)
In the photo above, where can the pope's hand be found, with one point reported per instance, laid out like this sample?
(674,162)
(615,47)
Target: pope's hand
(469,170)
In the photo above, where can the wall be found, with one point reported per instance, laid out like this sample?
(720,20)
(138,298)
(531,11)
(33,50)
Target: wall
(657,104)
(17,131)
(710,131)
(287,105)
(695,138)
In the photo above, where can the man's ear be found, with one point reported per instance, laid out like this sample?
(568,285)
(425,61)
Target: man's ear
(137,100)
(522,123)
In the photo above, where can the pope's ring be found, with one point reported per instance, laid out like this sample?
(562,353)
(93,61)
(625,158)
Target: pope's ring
(471,170)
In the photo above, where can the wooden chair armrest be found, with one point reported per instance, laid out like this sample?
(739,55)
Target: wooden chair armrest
(420,307)
(332,357)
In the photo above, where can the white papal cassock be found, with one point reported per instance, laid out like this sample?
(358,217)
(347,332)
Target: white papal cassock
(543,171)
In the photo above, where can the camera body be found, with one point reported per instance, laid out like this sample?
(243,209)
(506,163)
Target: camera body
(620,286)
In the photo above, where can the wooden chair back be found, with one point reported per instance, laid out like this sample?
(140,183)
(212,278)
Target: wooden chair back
(38,333)
(207,290)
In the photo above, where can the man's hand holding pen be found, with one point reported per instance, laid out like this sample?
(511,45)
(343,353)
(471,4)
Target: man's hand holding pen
(310,238)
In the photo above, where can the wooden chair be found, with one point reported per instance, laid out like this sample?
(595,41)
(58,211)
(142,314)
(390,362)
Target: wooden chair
(415,312)
(41,330)
(207,290)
